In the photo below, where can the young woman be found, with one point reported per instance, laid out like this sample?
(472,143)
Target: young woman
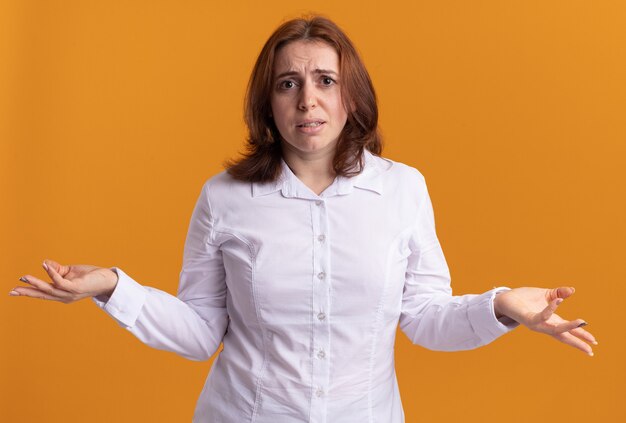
(304,256)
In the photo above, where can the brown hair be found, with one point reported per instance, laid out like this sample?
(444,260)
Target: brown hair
(261,162)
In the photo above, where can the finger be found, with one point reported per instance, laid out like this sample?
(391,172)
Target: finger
(62,270)
(547,312)
(584,335)
(45,287)
(569,326)
(57,279)
(23,291)
(561,292)
(569,339)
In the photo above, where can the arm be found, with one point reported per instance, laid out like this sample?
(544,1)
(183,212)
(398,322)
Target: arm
(431,316)
(191,324)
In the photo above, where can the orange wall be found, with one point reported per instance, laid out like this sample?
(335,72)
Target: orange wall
(113,114)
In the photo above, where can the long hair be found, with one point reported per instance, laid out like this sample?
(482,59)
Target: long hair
(261,161)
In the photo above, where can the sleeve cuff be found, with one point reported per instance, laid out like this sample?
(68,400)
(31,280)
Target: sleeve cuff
(126,301)
(483,318)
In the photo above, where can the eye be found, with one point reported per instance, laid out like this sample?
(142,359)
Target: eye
(327,80)
(287,84)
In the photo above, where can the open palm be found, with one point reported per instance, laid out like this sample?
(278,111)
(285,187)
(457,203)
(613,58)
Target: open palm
(69,282)
(535,308)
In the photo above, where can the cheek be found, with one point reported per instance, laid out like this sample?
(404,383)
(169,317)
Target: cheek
(279,111)
(339,110)
(344,113)
(341,113)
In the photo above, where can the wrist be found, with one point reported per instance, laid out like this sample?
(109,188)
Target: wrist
(111,278)
(497,309)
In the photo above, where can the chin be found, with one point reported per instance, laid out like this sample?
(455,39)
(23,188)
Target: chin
(309,146)
(317,148)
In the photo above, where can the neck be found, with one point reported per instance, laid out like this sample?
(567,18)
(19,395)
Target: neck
(315,170)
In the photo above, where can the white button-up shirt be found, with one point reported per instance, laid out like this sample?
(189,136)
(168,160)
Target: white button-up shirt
(306,292)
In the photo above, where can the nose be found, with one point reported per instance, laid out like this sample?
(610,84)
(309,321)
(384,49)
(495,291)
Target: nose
(308,99)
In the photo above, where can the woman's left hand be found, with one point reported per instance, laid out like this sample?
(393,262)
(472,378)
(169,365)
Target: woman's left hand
(535,308)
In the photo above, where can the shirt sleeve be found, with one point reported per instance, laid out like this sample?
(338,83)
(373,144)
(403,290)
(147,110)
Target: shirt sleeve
(191,324)
(431,316)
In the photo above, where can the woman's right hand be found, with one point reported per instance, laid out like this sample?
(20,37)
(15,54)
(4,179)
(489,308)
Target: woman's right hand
(69,283)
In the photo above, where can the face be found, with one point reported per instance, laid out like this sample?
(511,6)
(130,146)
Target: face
(306,98)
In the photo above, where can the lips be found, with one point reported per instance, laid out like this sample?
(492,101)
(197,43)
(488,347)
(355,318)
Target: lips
(310,123)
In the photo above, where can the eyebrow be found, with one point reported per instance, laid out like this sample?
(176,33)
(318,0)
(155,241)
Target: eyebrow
(316,71)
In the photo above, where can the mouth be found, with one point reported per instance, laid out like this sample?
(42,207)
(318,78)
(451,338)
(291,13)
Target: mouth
(310,124)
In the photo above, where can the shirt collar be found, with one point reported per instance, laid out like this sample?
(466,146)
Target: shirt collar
(288,183)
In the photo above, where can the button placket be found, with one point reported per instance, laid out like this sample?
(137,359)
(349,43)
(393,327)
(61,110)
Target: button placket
(321,285)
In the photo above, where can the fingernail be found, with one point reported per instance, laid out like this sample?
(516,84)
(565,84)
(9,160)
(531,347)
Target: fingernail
(14,293)
(23,279)
(45,266)
(559,301)
(583,324)
(590,354)
(595,342)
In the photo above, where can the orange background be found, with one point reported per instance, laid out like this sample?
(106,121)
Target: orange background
(114,113)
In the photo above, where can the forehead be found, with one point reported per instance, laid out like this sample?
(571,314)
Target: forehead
(305,56)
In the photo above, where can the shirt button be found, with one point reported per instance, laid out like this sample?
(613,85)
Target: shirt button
(321,354)
(318,203)
(321,238)
(319,392)
(321,315)
(321,275)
